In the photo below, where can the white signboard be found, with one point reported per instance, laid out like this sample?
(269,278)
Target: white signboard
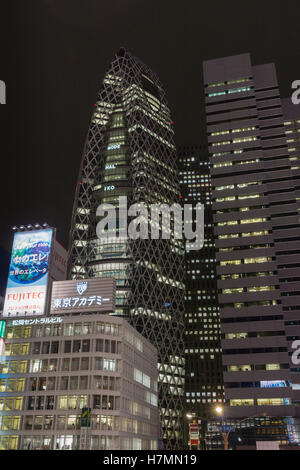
(266,445)
(85,295)
(83,444)
(37,321)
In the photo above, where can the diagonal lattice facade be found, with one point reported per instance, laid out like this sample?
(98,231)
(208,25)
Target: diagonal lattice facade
(130,152)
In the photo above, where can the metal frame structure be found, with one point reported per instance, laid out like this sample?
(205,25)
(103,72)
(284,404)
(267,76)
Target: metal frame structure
(129,151)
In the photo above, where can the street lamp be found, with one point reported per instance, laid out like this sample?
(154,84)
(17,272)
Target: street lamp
(225,435)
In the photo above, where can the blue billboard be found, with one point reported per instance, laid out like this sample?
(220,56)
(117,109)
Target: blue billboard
(26,291)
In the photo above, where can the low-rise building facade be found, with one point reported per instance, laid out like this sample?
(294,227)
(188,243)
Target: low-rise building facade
(57,368)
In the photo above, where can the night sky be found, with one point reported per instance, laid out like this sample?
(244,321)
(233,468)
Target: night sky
(53,56)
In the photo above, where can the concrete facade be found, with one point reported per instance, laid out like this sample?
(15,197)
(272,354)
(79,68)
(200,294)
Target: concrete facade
(51,371)
(257,231)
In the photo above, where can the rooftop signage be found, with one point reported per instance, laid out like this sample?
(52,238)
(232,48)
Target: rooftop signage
(26,292)
(86,295)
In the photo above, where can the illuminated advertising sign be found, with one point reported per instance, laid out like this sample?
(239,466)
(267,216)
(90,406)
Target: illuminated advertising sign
(85,419)
(2,329)
(274,384)
(194,434)
(36,321)
(28,274)
(86,295)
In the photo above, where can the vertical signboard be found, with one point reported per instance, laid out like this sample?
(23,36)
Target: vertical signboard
(2,336)
(2,328)
(194,434)
(2,349)
(85,418)
(28,274)
(83,439)
(58,265)
(85,423)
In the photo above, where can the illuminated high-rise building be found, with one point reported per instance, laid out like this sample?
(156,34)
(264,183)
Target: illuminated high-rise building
(203,354)
(130,152)
(257,232)
(291,117)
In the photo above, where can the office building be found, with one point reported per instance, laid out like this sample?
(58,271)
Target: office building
(56,368)
(129,152)
(203,355)
(291,117)
(257,232)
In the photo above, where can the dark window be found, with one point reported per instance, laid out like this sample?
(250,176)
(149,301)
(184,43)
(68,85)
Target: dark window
(31,403)
(46,348)
(49,402)
(84,363)
(97,401)
(149,86)
(67,348)
(76,346)
(54,347)
(42,383)
(36,348)
(33,384)
(28,422)
(75,364)
(40,403)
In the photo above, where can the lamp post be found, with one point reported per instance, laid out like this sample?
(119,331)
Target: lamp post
(225,434)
